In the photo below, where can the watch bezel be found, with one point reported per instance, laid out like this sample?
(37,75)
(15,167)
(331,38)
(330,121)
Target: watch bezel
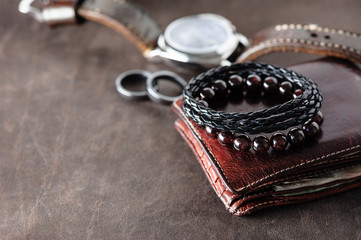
(217,49)
(207,59)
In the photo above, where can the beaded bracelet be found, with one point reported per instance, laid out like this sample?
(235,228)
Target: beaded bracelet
(301,108)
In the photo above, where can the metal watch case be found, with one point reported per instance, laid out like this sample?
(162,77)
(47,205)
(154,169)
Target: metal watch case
(208,40)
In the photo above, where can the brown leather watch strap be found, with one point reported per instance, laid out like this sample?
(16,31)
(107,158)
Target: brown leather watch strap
(309,38)
(124,17)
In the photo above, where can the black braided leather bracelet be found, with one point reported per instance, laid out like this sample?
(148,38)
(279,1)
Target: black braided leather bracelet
(303,101)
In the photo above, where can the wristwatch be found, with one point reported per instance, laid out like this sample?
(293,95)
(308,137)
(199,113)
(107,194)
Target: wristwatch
(206,39)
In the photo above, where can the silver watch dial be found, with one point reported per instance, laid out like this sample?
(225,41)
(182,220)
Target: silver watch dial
(200,35)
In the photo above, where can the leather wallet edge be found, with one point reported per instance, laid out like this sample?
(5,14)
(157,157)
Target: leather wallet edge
(235,202)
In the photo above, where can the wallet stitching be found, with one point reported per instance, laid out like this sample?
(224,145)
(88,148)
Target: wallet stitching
(258,205)
(317,173)
(298,165)
(311,175)
(231,209)
(321,172)
(204,166)
(344,158)
(234,209)
(334,170)
(265,193)
(273,174)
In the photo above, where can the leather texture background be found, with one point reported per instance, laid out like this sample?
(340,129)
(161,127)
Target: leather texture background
(242,180)
(79,162)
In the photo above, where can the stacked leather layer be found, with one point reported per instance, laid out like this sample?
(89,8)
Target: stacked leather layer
(247,182)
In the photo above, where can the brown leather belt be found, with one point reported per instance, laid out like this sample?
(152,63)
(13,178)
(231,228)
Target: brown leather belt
(309,38)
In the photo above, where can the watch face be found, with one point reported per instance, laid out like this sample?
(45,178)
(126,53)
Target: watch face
(200,34)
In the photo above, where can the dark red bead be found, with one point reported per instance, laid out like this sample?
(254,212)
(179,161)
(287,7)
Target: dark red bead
(286,89)
(211,132)
(242,143)
(254,82)
(296,136)
(270,84)
(318,118)
(207,94)
(297,92)
(271,99)
(236,84)
(260,144)
(220,88)
(225,139)
(253,97)
(311,129)
(203,102)
(279,141)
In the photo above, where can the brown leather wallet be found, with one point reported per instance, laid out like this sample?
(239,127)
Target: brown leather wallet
(246,182)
